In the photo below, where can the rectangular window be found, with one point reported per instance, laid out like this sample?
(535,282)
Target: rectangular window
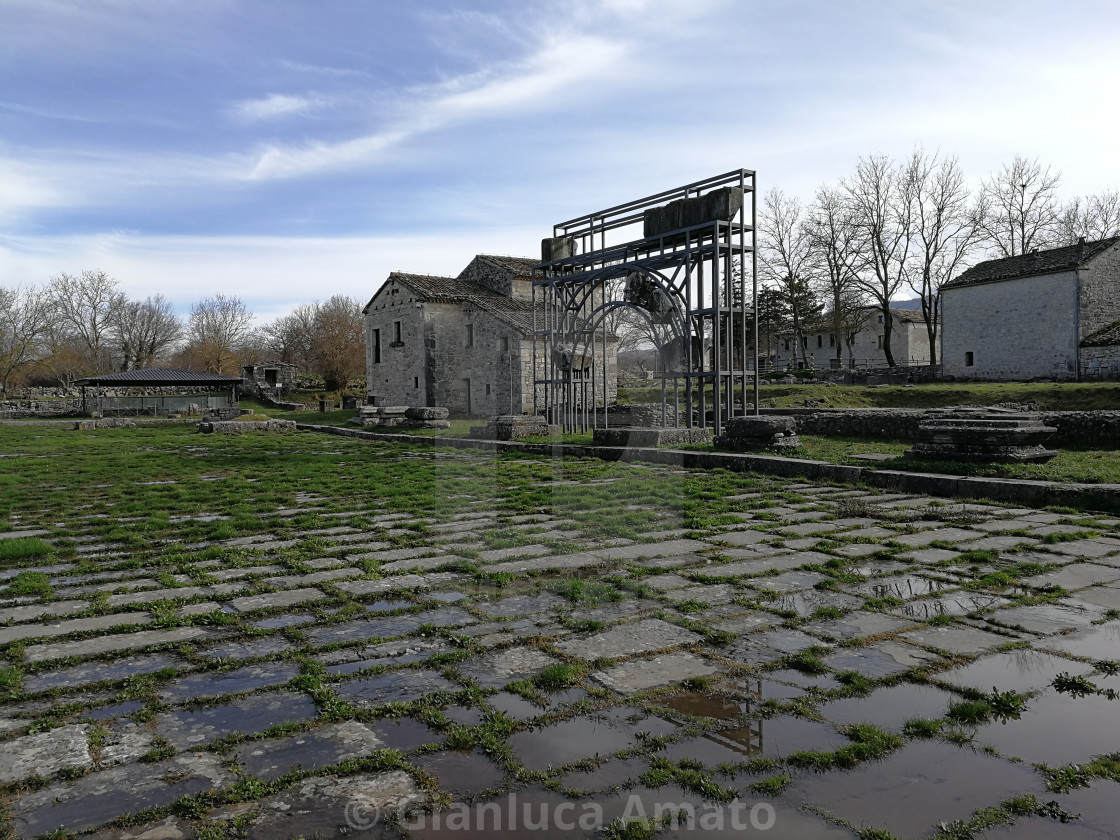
(487,389)
(470,335)
(397,332)
(804,341)
(880,319)
(505,344)
(968,361)
(787,344)
(820,340)
(416,382)
(376,347)
(880,342)
(832,339)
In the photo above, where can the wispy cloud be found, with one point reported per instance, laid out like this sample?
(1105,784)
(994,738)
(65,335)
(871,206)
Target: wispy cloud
(276,105)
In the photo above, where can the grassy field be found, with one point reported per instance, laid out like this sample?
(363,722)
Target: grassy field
(1066,396)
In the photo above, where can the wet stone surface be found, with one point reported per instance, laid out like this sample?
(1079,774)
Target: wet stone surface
(626,646)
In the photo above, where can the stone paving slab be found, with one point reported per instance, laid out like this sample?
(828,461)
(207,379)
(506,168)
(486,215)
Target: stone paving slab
(955,639)
(87,673)
(45,753)
(768,646)
(880,659)
(1075,576)
(74,625)
(953,535)
(858,625)
(666,548)
(106,795)
(325,576)
(207,684)
(182,592)
(745,537)
(1044,619)
(189,729)
(642,636)
(1104,596)
(422,564)
(32,612)
(115,642)
(1089,549)
(308,751)
(636,675)
(271,600)
(745,568)
(536,564)
(398,582)
(501,667)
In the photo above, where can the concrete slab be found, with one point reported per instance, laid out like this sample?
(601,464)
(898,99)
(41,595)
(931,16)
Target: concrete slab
(115,642)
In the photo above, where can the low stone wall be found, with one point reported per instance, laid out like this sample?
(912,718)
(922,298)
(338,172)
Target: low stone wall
(105,423)
(20,409)
(1073,427)
(624,436)
(235,426)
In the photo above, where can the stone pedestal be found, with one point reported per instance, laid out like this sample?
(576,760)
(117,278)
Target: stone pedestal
(984,435)
(744,433)
(388,416)
(632,436)
(513,427)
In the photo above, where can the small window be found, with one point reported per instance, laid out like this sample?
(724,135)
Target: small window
(880,342)
(505,344)
(880,319)
(832,339)
(416,382)
(470,335)
(968,361)
(397,332)
(376,342)
(787,344)
(487,389)
(820,340)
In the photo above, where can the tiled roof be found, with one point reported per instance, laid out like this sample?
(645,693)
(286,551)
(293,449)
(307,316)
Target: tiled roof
(516,312)
(518,266)
(1104,337)
(1066,258)
(158,376)
(912,315)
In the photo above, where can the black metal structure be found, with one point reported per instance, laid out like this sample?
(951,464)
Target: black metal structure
(688,274)
(201,383)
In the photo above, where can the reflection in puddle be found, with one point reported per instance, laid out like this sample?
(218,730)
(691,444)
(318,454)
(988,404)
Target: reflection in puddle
(1057,729)
(891,707)
(902,586)
(1020,670)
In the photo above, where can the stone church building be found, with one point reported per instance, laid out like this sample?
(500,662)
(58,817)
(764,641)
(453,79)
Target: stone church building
(1051,314)
(465,343)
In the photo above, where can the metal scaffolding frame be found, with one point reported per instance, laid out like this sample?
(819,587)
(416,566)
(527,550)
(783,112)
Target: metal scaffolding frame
(690,283)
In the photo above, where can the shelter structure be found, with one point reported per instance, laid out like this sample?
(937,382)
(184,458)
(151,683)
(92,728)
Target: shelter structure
(155,391)
(684,259)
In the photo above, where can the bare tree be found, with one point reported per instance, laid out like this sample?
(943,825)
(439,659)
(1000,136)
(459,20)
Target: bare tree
(1018,210)
(143,330)
(880,204)
(945,232)
(835,242)
(216,328)
(1093,217)
(787,260)
(337,345)
(25,315)
(289,337)
(85,306)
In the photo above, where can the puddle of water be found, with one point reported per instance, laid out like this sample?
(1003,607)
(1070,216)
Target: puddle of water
(395,687)
(388,606)
(389,627)
(760,648)
(912,790)
(1057,729)
(404,734)
(808,602)
(463,715)
(462,772)
(749,695)
(307,751)
(515,706)
(803,680)
(890,707)
(94,672)
(902,586)
(1100,642)
(958,603)
(567,742)
(211,684)
(194,727)
(1098,805)
(778,737)
(617,771)
(117,710)
(1014,670)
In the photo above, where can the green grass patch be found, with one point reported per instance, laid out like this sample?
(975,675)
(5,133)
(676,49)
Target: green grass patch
(29,584)
(23,548)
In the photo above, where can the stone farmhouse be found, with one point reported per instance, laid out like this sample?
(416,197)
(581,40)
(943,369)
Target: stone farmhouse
(1044,315)
(465,343)
(864,348)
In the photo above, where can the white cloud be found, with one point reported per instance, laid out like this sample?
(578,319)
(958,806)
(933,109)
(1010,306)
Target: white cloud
(276,105)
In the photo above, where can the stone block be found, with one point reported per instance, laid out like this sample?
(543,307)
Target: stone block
(558,248)
(983,435)
(430,412)
(630,436)
(744,433)
(105,423)
(513,427)
(237,426)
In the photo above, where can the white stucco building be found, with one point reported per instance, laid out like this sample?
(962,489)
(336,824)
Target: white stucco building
(1051,314)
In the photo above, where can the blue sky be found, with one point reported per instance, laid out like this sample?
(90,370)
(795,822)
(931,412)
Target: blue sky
(287,151)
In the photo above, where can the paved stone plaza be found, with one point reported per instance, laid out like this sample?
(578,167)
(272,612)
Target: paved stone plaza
(347,666)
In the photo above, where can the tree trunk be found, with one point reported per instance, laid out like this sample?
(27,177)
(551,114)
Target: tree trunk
(887,337)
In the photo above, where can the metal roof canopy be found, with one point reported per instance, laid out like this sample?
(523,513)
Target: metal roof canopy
(153,377)
(688,282)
